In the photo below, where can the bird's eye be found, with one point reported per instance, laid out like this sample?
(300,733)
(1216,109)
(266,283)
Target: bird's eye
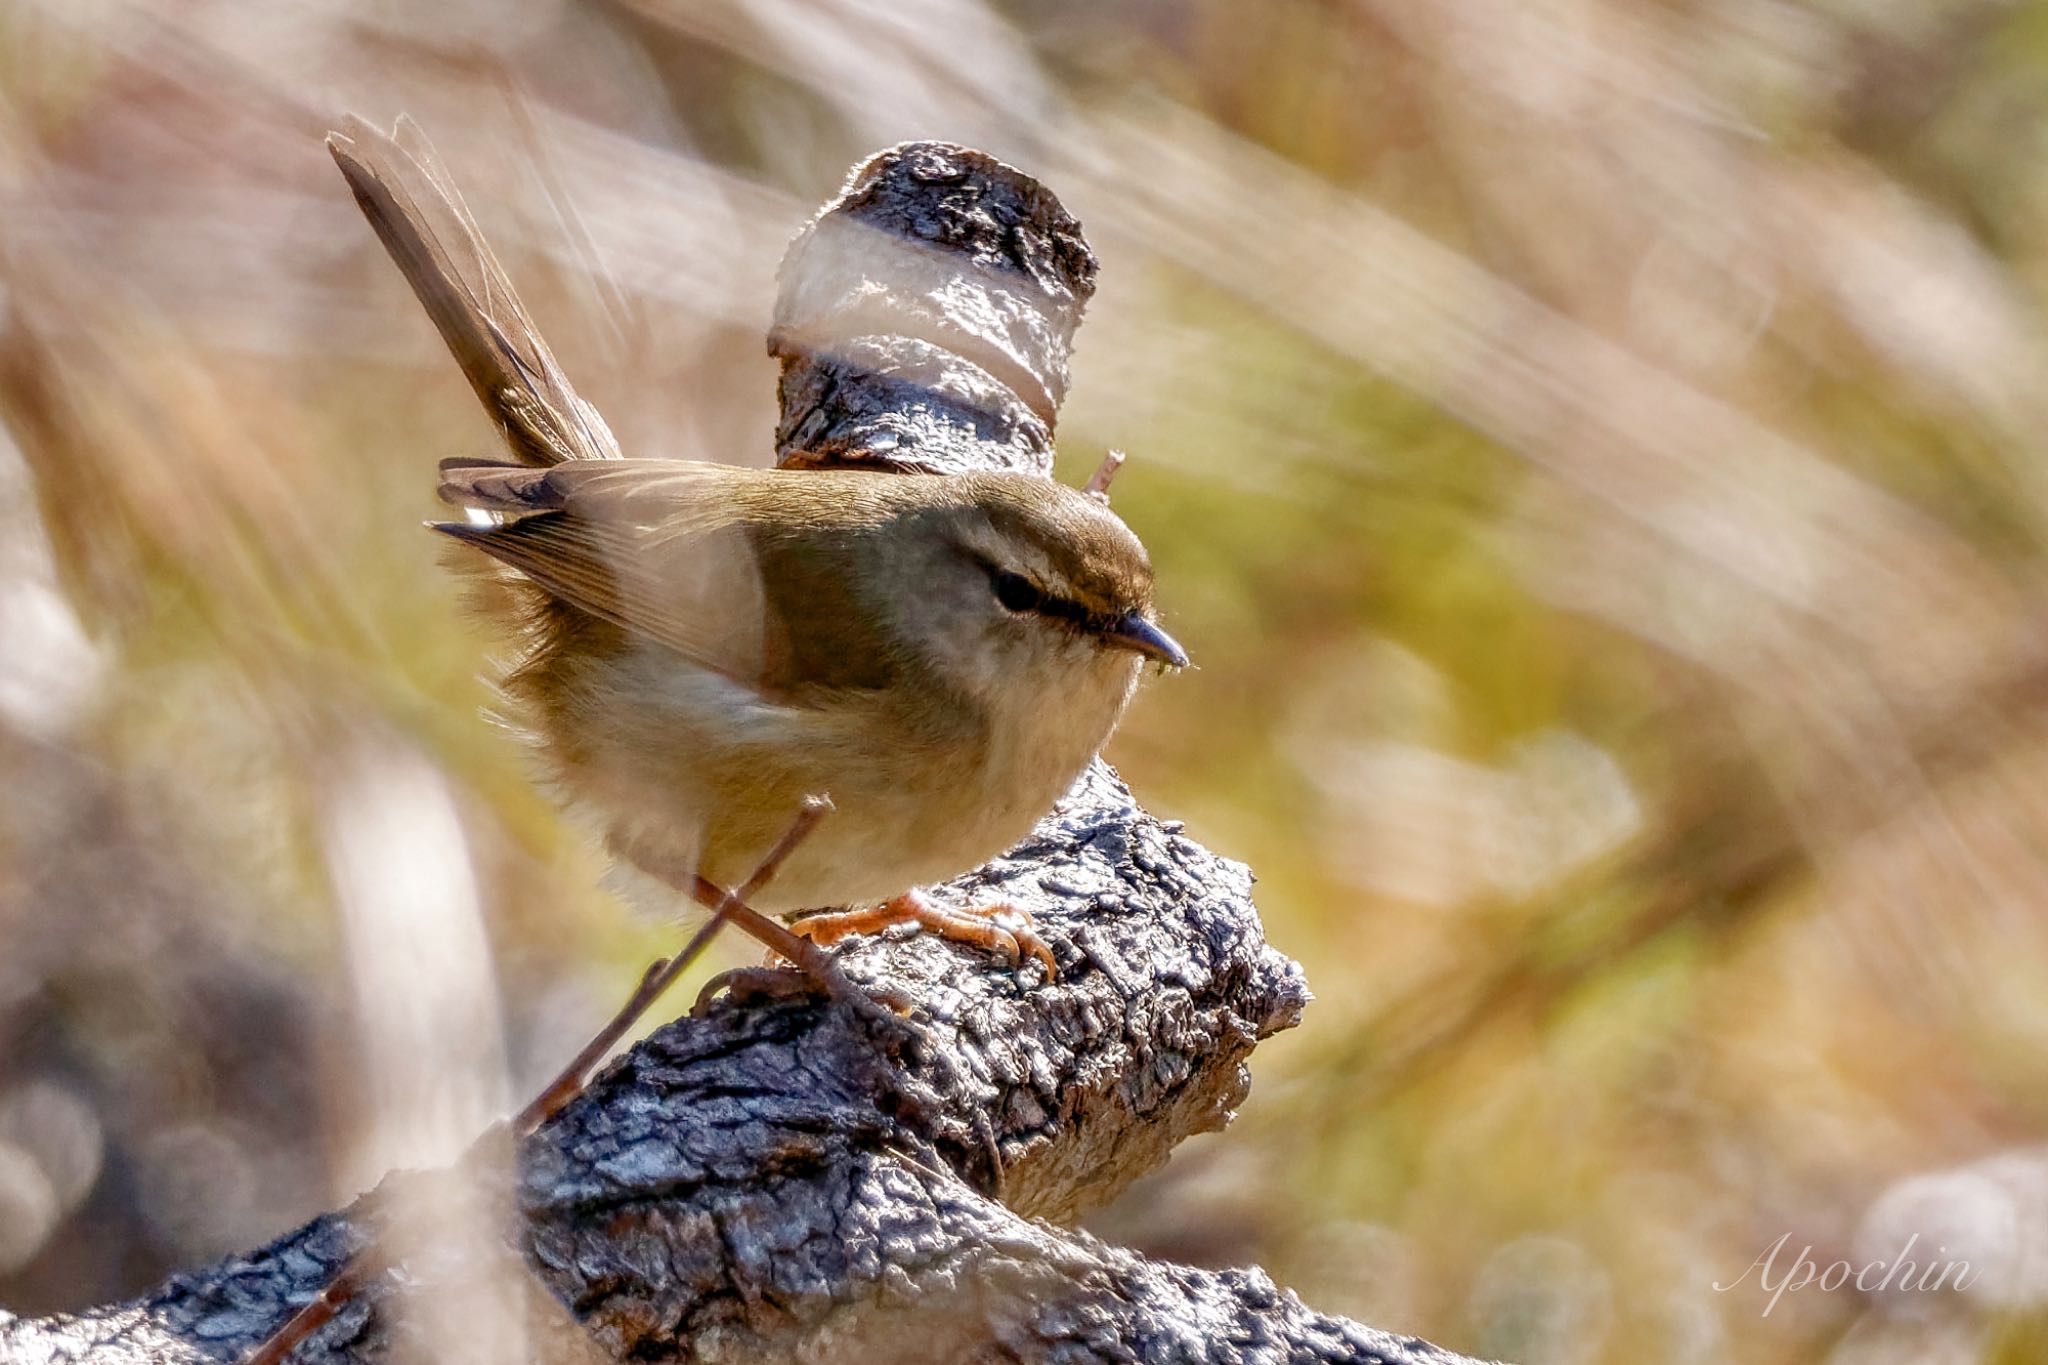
(1016,592)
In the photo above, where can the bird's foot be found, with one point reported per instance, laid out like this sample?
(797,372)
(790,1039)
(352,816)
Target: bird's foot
(999,927)
(744,985)
(818,973)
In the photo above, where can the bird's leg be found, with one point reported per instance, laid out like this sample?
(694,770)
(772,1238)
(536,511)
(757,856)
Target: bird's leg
(662,972)
(999,927)
(732,908)
(808,958)
(814,962)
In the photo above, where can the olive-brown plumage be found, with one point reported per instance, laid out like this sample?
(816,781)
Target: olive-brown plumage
(941,656)
(725,641)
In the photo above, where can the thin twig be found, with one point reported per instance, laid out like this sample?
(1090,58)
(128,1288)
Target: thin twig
(1097,486)
(662,973)
(659,976)
(312,1317)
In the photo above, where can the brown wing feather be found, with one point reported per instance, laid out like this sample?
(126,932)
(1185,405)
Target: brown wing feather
(422,221)
(658,548)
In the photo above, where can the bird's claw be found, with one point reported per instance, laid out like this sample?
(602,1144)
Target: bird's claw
(1001,927)
(879,1004)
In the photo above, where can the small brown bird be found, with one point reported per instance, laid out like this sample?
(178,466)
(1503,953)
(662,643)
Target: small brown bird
(709,645)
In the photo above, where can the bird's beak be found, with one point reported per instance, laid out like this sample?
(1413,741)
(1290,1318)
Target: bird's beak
(1134,632)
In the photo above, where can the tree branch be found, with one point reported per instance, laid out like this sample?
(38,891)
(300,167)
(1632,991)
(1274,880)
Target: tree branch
(775,1181)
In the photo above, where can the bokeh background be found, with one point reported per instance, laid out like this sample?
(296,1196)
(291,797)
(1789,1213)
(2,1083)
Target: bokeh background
(1594,449)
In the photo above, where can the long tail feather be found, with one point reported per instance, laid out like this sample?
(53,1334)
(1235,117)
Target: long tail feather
(423,223)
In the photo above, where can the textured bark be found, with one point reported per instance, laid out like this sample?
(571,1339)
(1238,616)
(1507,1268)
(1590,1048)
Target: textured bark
(926,317)
(778,1181)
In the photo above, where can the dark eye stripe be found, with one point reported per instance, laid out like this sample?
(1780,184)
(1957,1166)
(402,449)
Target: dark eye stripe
(1060,609)
(1019,594)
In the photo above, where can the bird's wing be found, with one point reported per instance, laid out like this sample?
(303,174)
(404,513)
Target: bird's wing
(422,221)
(659,548)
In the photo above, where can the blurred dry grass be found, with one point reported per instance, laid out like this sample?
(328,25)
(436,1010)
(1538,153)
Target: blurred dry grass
(1592,446)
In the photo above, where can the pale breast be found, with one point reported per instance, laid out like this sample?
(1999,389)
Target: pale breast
(703,775)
